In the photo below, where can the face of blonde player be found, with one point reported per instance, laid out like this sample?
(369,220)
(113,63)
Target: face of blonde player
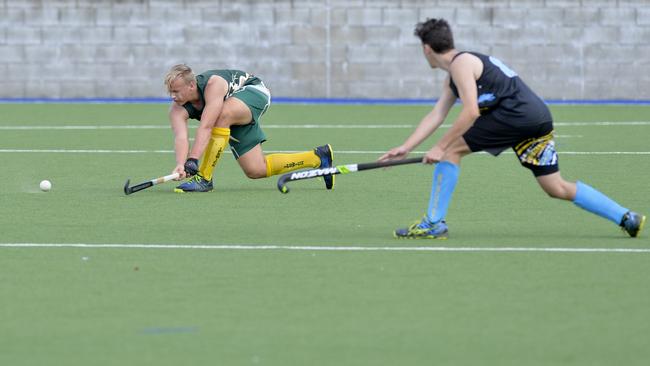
(182,92)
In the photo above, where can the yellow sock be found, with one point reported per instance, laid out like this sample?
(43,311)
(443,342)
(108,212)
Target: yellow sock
(213,152)
(282,163)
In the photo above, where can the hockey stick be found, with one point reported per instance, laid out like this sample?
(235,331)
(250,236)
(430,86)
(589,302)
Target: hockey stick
(340,169)
(150,183)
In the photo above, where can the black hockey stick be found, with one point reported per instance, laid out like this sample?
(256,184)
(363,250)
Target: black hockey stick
(150,183)
(340,169)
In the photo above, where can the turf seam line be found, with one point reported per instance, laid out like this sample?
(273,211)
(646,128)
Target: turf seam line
(328,248)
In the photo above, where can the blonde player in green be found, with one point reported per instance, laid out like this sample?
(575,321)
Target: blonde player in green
(229,105)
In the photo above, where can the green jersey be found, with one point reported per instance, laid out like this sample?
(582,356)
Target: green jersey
(250,90)
(236,80)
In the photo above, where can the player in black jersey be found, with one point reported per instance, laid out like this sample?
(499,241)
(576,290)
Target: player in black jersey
(499,112)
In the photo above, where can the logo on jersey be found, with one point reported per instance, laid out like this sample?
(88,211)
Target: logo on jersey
(487,97)
(237,82)
(505,69)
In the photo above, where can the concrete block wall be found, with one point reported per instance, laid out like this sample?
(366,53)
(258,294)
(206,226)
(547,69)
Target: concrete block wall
(564,49)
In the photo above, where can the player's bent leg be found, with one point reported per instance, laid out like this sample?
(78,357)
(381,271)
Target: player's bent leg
(253,163)
(202,182)
(321,156)
(233,112)
(283,163)
(456,151)
(445,178)
(592,200)
(214,151)
(256,165)
(433,225)
(555,186)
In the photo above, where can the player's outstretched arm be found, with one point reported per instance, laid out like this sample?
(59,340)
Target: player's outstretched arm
(465,70)
(428,125)
(214,94)
(178,117)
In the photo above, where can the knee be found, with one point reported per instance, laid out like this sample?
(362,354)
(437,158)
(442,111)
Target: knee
(554,192)
(224,119)
(255,173)
(456,152)
(560,191)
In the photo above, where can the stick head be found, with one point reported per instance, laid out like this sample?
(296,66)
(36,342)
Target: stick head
(282,184)
(127,190)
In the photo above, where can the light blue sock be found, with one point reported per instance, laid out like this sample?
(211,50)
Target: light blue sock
(595,202)
(445,177)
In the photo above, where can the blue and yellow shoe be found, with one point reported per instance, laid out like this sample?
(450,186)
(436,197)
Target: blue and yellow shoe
(195,184)
(326,156)
(632,223)
(424,230)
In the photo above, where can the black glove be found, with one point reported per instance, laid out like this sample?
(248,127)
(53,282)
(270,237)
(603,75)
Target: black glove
(191,166)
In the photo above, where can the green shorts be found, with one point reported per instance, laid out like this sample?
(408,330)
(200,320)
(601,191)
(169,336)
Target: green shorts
(245,137)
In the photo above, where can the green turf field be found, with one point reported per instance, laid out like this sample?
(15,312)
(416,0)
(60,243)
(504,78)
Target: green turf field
(247,276)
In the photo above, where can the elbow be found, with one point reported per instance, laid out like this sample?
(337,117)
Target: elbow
(470,112)
(474,113)
(205,126)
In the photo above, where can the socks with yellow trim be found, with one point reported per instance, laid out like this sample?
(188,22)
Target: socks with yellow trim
(213,152)
(282,163)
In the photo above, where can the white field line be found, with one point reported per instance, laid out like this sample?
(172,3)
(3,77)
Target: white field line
(303,126)
(345,152)
(328,248)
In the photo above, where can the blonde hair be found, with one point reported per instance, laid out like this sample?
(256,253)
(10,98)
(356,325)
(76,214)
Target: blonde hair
(179,71)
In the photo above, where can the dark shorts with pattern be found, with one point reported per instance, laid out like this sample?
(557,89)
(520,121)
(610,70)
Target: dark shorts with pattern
(245,137)
(533,145)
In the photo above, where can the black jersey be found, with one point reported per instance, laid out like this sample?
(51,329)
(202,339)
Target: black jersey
(504,96)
